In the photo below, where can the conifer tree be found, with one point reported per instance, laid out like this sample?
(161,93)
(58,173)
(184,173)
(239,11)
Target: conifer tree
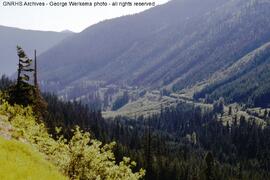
(22,92)
(23,66)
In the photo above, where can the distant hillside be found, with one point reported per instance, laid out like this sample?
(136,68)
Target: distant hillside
(130,49)
(246,81)
(176,44)
(29,40)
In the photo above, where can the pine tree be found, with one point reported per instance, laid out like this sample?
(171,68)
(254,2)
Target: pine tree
(23,92)
(23,66)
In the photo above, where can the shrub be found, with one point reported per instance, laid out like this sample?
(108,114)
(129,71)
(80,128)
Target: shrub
(80,158)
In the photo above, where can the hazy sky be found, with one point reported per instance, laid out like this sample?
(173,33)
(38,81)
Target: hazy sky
(62,18)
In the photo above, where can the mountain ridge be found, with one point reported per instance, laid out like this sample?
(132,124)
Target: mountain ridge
(169,46)
(29,40)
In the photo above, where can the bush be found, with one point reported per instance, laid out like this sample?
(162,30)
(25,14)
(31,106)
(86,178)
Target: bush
(80,158)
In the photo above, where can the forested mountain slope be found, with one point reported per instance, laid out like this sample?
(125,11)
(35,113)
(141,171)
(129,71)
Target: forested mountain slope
(246,81)
(124,46)
(29,39)
(176,45)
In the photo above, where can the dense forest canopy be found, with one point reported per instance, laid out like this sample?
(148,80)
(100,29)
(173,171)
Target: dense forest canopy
(184,142)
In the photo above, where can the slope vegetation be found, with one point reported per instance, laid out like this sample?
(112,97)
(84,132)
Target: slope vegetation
(81,157)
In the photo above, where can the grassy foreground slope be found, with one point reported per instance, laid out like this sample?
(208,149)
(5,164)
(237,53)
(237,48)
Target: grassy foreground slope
(21,161)
(81,157)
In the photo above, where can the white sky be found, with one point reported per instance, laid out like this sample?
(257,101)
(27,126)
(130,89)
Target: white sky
(61,18)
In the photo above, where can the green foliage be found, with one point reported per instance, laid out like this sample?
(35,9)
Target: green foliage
(26,95)
(22,93)
(80,158)
(20,161)
(96,161)
(67,115)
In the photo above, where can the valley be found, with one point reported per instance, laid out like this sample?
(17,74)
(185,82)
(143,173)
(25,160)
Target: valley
(179,91)
(179,53)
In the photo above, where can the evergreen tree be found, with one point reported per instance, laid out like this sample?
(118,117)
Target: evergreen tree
(24,92)
(23,66)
